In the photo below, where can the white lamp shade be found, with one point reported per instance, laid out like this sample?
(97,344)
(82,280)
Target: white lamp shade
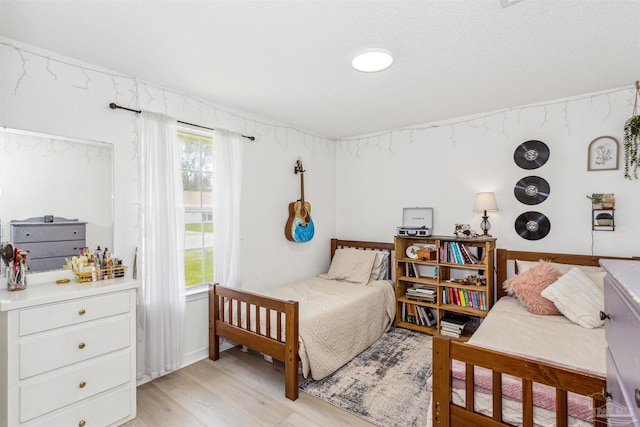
(485,202)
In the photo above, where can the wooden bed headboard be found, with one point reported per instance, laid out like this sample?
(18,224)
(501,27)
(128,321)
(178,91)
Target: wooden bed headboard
(390,247)
(505,255)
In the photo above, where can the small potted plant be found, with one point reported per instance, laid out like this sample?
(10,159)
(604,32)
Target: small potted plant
(604,218)
(596,200)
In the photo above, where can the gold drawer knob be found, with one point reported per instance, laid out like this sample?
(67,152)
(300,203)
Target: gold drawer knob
(82,423)
(82,384)
(81,345)
(81,312)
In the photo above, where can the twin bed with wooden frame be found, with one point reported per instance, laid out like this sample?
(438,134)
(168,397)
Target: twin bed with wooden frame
(273,325)
(526,372)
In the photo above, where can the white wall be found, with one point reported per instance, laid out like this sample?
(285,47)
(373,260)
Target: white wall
(44,92)
(443,165)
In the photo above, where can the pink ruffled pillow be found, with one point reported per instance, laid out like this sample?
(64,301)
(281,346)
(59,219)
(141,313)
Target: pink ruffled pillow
(528,285)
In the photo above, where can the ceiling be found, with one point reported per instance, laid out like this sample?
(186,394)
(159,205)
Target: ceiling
(289,61)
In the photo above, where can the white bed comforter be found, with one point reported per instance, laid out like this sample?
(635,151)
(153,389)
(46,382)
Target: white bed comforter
(510,328)
(337,320)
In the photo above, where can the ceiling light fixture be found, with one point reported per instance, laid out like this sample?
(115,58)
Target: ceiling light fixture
(372,60)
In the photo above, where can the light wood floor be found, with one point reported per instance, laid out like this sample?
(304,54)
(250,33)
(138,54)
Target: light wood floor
(239,389)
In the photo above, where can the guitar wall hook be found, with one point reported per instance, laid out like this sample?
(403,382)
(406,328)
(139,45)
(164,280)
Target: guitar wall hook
(299,227)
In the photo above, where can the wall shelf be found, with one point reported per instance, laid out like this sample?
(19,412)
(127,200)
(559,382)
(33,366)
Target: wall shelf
(603,219)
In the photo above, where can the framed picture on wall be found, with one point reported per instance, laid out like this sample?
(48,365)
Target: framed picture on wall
(603,154)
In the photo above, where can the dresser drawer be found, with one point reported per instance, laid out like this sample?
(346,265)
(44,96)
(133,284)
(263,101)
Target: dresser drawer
(71,385)
(103,410)
(47,232)
(54,350)
(66,248)
(72,312)
(623,408)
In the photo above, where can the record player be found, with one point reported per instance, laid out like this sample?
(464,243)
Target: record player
(416,222)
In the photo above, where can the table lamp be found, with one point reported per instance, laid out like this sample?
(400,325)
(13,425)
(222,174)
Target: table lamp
(485,202)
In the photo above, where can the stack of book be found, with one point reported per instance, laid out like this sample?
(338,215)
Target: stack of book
(453,324)
(421,293)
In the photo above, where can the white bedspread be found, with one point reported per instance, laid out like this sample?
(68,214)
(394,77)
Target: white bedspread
(337,320)
(510,328)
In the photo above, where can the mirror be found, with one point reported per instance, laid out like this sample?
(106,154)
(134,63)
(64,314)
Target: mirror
(46,175)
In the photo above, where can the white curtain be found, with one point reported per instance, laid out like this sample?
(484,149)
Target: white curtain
(227,188)
(161,255)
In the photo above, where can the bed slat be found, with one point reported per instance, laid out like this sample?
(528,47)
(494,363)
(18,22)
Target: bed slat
(527,403)
(561,408)
(248,323)
(279,326)
(469,386)
(497,395)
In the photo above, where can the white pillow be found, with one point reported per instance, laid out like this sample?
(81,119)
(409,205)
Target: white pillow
(596,277)
(351,265)
(577,297)
(562,268)
(380,266)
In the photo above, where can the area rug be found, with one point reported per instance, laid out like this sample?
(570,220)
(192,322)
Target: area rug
(385,384)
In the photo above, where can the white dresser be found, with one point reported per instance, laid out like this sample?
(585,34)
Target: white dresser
(622,330)
(67,354)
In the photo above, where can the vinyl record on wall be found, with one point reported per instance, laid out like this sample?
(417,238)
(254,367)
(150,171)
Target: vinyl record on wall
(531,190)
(532,225)
(531,154)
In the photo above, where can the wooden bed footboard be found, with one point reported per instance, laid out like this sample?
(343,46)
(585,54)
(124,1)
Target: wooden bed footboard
(564,380)
(227,306)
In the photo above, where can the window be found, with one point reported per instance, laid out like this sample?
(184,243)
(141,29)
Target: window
(197,172)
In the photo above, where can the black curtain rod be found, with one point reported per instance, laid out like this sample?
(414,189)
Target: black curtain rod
(115,106)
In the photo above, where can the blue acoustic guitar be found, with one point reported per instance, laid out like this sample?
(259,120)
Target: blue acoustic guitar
(299,226)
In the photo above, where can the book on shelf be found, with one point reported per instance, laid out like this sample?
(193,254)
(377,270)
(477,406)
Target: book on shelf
(450,329)
(420,292)
(449,333)
(472,259)
(423,289)
(454,319)
(428,300)
(465,298)
(464,253)
(411,315)
(418,315)
(411,270)
(456,253)
(428,315)
(421,315)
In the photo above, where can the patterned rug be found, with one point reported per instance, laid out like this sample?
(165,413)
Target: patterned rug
(385,384)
